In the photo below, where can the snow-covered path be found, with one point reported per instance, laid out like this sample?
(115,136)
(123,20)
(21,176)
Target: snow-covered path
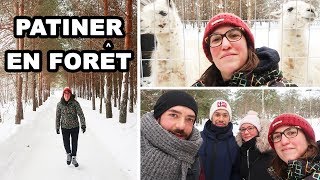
(37,152)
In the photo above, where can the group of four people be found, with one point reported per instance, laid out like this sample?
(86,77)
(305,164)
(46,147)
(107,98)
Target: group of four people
(172,148)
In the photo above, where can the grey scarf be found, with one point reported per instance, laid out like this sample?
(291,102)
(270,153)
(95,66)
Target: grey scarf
(163,155)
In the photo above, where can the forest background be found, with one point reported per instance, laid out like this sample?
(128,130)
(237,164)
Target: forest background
(117,89)
(267,102)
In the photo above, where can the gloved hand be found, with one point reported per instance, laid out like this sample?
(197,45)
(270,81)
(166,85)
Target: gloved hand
(83,128)
(58,131)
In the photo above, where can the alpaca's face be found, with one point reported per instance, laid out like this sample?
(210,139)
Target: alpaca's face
(297,14)
(158,17)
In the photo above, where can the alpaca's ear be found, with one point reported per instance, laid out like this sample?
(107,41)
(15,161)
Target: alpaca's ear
(169,3)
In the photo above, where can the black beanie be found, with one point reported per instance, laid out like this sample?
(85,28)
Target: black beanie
(174,98)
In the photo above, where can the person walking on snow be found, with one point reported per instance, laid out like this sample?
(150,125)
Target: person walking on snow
(68,110)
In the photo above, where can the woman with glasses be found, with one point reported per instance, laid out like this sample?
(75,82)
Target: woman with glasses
(255,151)
(229,45)
(293,139)
(68,110)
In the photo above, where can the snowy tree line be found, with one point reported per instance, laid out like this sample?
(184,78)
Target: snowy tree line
(251,10)
(268,102)
(117,89)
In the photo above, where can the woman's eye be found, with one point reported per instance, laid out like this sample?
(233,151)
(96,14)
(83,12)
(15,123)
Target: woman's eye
(215,39)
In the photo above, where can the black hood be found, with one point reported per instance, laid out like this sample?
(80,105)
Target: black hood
(269,59)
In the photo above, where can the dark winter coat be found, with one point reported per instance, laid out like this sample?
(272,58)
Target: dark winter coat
(194,171)
(67,114)
(267,73)
(219,153)
(258,153)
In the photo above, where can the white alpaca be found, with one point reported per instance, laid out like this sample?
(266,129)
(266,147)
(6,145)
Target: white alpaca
(169,66)
(295,18)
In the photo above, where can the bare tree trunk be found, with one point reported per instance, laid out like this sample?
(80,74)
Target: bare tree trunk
(101,91)
(108,98)
(120,79)
(33,91)
(105,7)
(73,77)
(88,89)
(93,93)
(127,45)
(19,46)
(26,88)
(115,89)
(40,89)
(18,116)
(124,101)
(109,76)
(132,81)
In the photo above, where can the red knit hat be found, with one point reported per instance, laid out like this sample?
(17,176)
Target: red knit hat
(67,89)
(225,19)
(291,120)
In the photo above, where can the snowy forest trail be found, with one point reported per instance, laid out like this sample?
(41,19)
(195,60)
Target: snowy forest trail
(37,152)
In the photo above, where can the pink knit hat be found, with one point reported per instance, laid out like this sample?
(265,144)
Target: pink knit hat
(288,119)
(225,19)
(251,118)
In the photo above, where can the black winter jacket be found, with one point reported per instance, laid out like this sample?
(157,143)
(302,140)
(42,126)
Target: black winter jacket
(254,163)
(256,155)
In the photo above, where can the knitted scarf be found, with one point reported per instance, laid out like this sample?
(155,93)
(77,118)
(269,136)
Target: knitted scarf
(163,155)
(300,169)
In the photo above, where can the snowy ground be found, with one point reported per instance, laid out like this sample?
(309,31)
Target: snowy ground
(33,150)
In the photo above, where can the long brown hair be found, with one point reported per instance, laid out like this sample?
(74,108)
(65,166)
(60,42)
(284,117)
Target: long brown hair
(212,76)
(280,167)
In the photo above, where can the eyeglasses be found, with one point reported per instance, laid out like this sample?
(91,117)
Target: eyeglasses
(249,129)
(290,132)
(66,93)
(233,35)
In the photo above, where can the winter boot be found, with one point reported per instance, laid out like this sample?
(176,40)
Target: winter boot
(74,161)
(68,158)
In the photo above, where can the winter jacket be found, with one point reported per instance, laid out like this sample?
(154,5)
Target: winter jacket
(219,153)
(267,73)
(306,169)
(256,155)
(67,114)
(194,171)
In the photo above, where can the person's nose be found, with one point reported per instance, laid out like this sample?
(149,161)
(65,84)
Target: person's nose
(225,44)
(246,131)
(284,140)
(180,124)
(220,118)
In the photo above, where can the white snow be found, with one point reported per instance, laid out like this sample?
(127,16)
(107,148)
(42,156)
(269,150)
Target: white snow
(33,150)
